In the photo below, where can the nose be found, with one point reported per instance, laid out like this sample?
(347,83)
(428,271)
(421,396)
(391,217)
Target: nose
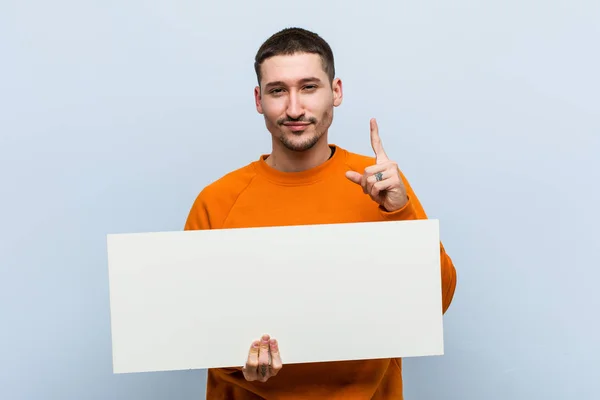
(294,108)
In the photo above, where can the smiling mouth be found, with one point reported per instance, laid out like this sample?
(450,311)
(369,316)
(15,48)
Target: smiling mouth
(296,126)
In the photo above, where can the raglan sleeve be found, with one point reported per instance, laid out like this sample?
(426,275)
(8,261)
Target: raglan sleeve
(413,210)
(198,217)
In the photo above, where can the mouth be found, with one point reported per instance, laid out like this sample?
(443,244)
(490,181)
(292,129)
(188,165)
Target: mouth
(296,126)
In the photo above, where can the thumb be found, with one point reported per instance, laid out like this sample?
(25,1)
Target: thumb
(354,177)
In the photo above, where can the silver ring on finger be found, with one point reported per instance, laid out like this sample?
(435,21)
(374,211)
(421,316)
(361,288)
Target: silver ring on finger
(379,176)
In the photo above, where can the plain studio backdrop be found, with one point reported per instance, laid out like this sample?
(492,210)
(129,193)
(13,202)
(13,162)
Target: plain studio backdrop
(115,114)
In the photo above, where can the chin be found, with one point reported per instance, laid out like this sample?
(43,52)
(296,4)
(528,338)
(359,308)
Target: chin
(299,142)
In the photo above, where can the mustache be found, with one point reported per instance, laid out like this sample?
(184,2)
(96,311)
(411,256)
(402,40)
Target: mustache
(301,119)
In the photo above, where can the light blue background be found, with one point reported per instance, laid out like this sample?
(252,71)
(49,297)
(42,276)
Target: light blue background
(115,114)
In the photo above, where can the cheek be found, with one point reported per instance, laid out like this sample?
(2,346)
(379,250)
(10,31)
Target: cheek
(324,107)
(273,109)
(323,103)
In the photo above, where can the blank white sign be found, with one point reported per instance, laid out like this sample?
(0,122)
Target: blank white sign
(197,299)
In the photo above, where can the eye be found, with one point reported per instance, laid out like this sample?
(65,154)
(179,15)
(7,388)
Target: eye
(276,91)
(310,87)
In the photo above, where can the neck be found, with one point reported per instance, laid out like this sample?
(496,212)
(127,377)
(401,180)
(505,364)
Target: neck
(285,160)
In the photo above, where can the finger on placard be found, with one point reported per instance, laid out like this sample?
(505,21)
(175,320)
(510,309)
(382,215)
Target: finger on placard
(276,363)
(376,143)
(251,367)
(263,359)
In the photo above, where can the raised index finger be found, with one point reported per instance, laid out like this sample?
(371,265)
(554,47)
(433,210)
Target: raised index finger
(376,143)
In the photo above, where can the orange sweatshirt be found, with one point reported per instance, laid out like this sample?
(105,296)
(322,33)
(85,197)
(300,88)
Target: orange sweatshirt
(257,196)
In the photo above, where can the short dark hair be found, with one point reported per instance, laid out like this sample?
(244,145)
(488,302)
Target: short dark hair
(290,41)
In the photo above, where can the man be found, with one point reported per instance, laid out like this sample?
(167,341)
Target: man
(306,180)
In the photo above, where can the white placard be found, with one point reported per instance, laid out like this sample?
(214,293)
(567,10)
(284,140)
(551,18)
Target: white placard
(197,299)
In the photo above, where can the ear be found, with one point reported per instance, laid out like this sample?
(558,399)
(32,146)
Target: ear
(257,99)
(338,93)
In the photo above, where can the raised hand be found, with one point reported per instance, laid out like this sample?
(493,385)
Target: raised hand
(382,181)
(264,360)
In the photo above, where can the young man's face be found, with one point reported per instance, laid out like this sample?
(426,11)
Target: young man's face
(297,99)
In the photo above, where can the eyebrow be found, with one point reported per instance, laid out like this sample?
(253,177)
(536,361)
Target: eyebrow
(304,80)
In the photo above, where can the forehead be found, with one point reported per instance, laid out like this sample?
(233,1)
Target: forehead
(292,68)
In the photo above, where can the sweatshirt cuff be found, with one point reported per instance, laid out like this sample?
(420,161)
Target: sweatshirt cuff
(407,212)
